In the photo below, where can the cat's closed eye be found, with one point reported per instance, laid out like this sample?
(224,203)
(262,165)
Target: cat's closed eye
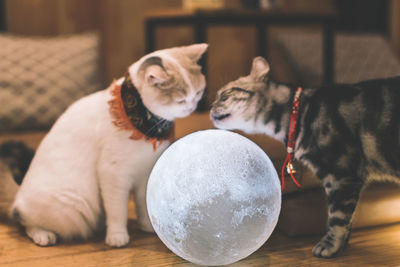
(223,97)
(181,101)
(241,90)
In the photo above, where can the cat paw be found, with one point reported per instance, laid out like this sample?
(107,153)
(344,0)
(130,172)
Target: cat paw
(41,237)
(327,247)
(117,239)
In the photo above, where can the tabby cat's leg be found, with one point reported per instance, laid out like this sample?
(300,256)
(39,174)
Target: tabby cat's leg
(343,195)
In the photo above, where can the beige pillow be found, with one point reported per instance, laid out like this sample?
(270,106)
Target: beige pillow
(41,76)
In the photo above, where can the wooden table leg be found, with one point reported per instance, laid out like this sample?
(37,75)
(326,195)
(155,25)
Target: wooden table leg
(150,32)
(262,40)
(200,36)
(328,54)
(3,22)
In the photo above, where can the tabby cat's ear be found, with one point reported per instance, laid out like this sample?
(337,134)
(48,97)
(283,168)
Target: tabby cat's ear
(155,75)
(195,51)
(259,69)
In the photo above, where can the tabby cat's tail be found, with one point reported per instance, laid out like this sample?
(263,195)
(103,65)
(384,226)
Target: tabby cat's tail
(17,157)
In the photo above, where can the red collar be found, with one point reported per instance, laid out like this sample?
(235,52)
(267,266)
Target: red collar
(291,139)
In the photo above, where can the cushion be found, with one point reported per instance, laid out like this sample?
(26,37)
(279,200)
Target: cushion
(358,56)
(41,76)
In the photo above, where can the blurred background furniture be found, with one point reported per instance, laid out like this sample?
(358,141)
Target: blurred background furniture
(120,24)
(261,20)
(359,56)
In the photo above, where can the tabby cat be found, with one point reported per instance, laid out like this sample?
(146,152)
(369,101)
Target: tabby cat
(102,148)
(348,134)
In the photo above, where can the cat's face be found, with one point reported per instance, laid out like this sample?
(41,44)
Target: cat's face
(236,104)
(170,81)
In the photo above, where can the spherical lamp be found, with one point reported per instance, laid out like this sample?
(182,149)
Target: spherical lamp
(213,197)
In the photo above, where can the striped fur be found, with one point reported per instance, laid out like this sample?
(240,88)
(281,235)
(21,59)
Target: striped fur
(348,134)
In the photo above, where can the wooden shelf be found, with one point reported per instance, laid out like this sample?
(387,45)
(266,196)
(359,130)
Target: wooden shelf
(226,13)
(233,16)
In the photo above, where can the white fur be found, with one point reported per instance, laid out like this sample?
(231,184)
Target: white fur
(85,169)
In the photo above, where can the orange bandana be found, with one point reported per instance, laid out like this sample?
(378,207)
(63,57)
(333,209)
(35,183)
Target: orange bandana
(130,114)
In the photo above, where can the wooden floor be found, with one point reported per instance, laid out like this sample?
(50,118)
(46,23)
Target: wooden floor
(368,247)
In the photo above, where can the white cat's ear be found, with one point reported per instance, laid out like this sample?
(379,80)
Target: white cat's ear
(155,75)
(195,51)
(259,69)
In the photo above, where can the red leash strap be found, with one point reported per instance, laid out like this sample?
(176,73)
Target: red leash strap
(291,139)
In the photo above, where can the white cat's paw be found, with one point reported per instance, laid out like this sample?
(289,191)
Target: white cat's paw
(117,239)
(41,237)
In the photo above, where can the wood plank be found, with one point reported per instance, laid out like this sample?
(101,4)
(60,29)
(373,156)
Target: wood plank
(122,30)
(31,17)
(395,26)
(51,17)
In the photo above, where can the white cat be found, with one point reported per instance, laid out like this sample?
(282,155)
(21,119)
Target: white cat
(93,157)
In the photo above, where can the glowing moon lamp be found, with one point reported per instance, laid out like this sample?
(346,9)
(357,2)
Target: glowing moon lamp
(213,197)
